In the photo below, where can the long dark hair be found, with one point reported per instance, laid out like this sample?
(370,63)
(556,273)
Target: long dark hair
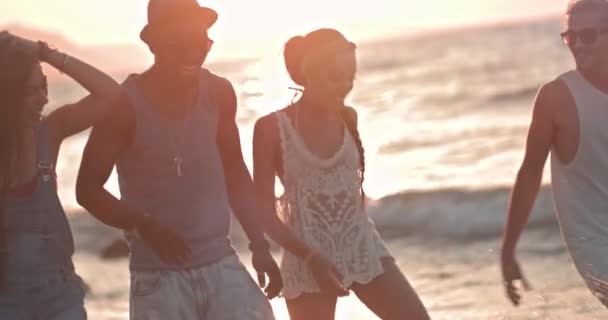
(15,69)
(294,52)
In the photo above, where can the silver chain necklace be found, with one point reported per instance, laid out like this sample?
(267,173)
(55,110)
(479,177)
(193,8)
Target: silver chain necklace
(177,143)
(178,139)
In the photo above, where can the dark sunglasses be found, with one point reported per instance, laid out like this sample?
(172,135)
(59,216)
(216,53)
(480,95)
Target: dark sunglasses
(588,36)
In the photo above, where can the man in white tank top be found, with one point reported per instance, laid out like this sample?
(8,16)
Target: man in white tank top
(570,122)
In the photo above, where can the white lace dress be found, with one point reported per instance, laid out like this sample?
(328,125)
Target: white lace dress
(322,205)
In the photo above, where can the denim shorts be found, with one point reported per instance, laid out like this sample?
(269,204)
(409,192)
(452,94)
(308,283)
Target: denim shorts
(220,291)
(55,297)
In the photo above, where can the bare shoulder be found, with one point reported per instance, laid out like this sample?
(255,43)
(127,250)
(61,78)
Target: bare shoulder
(554,103)
(219,82)
(351,113)
(267,126)
(554,97)
(266,139)
(224,93)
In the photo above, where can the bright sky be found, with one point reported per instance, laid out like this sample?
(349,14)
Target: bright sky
(255,25)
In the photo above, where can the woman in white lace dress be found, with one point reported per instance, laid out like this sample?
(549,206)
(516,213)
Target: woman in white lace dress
(313,146)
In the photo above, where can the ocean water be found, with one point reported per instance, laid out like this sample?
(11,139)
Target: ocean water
(443,117)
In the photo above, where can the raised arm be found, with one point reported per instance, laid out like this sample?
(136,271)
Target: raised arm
(104,91)
(72,118)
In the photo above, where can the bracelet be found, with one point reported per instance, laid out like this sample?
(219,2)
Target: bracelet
(66,60)
(43,55)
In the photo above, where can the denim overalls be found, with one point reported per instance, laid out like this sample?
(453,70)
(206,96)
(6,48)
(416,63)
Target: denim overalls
(39,282)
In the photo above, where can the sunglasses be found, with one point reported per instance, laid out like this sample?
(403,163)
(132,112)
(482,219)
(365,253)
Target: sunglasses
(587,36)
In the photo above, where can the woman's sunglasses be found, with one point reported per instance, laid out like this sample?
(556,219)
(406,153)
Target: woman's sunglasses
(587,36)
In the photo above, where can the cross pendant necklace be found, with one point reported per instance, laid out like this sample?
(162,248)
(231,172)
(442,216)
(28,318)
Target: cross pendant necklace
(178,143)
(177,161)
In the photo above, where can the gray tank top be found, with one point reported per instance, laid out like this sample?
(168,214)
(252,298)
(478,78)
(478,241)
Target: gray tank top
(174,172)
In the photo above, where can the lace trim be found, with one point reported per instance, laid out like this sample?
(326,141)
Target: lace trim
(322,206)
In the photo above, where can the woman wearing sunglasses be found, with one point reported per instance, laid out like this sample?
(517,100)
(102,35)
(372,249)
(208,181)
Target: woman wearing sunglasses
(36,246)
(569,123)
(314,147)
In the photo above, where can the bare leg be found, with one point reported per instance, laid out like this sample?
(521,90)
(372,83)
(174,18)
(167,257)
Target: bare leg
(390,296)
(312,306)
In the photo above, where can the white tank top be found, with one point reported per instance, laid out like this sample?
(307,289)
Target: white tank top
(580,188)
(322,206)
